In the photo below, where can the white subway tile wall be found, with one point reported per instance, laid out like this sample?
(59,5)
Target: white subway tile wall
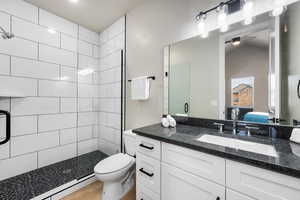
(112,41)
(55,64)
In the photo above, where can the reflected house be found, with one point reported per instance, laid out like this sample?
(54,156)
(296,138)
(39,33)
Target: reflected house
(242,95)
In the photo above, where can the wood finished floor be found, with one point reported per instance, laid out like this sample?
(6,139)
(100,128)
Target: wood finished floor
(93,192)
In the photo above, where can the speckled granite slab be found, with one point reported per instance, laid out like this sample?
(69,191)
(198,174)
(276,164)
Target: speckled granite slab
(287,162)
(37,182)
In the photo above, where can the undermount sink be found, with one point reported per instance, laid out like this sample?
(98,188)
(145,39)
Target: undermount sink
(258,148)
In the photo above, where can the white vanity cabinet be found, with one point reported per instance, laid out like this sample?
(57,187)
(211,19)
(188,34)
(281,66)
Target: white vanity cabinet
(148,169)
(232,195)
(171,172)
(260,183)
(177,184)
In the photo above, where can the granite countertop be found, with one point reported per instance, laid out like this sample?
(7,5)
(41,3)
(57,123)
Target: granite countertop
(287,162)
(32,184)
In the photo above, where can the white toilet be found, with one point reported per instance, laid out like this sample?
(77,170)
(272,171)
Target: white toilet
(117,171)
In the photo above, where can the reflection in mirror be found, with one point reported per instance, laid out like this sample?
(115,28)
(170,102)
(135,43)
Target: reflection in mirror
(290,46)
(248,74)
(193,78)
(254,69)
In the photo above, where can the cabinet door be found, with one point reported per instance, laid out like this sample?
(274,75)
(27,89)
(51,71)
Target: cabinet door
(261,184)
(197,163)
(232,195)
(148,172)
(143,193)
(180,185)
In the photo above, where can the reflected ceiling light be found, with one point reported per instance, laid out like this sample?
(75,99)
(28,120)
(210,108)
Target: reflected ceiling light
(279,7)
(202,25)
(64,78)
(248,11)
(236,41)
(74,1)
(222,11)
(85,72)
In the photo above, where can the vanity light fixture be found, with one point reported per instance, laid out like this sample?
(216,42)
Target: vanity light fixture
(202,25)
(279,7)
(248,11)
(230,6)
(222,11)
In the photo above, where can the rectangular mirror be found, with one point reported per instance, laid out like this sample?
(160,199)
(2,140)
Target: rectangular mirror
(254,68)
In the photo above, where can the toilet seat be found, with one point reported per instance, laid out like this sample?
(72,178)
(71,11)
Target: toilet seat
(113,163)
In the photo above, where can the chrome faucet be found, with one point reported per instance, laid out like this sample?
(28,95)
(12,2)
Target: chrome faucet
(221,127)
(234,116)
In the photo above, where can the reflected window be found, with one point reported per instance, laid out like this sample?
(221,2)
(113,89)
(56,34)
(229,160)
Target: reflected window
(242,92)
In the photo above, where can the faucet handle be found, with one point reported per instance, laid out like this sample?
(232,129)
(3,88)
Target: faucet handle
(249,128)
(221,127)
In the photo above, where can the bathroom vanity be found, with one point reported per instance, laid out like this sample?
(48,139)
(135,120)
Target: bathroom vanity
(190,162)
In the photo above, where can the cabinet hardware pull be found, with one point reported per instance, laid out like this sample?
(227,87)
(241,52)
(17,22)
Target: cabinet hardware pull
(298,89)
(146,147)
(218,198)
(147,173)
(8,135)
(186,107)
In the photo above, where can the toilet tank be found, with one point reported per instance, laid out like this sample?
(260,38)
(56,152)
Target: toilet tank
(129,142)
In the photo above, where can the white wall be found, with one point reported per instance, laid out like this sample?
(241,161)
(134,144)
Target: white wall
(57,119)
(112,41)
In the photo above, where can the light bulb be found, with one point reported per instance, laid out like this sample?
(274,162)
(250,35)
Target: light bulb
(202,26)
(278,11)
(279,7)
(248,6)
(224,28)
(222,17)
(248,9)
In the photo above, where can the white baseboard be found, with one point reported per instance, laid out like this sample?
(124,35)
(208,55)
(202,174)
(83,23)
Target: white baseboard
(66,189)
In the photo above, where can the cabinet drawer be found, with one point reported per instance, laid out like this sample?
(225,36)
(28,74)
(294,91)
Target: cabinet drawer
(143,193)
(148,147)
(195,162)
(178,185)
(232,195)
(148,172)
(261,184)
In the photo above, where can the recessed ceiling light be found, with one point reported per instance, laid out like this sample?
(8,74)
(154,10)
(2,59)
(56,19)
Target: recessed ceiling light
(74,1)
(85,72)
(52,31)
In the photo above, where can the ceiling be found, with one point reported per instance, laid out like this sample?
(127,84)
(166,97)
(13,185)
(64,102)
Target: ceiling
(93,14)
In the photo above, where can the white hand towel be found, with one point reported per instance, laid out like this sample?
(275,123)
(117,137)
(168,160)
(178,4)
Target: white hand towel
(140,88)
(295,137)
(172,121)
(165,122)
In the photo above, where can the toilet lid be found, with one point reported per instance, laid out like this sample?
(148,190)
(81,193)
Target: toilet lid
(113,163)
